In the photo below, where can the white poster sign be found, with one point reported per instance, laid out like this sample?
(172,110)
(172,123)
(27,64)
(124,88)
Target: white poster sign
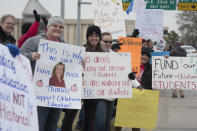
(18,109)
(58,75)
(108,15)
(150,24)
(106,75)
(174,73)
(139,5)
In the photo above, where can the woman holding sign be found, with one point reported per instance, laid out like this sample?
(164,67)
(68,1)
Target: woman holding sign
(47,117)
(7,23)
(93,36)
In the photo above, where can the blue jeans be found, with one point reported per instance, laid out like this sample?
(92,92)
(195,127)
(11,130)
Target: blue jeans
(48,118)
(104,114)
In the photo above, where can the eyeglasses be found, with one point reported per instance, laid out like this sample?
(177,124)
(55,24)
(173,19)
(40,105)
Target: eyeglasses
(106,41)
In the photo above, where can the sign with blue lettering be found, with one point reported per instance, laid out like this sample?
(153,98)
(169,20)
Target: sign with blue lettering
(18,110)
(174,73)
(106,75)
(58,75)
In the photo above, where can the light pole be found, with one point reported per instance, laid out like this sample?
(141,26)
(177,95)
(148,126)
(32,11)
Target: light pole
(62,9)
(79,20)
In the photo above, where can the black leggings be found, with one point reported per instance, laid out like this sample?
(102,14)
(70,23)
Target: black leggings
(89,114)
(69,117)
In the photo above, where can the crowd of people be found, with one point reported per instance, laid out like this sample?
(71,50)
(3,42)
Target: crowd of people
(95,114)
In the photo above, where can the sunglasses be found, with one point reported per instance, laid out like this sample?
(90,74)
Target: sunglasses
(106,41)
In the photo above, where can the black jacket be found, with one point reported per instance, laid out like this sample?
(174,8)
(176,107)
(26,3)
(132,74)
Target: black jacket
(4,39)
(146,80)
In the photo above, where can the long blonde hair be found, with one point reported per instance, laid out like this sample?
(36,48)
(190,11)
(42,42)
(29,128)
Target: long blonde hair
(53,72)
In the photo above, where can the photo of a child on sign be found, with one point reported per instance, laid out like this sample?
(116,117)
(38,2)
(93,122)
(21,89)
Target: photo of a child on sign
(58,75)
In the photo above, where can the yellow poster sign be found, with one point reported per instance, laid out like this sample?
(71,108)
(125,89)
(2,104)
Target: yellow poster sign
(187,6)
(138,112)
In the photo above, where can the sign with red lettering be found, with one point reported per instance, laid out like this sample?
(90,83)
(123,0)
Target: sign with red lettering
(18,109)
(174,73)
(106,75)
(58,75)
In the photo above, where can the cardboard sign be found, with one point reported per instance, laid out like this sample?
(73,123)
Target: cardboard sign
(59,84)
(132,45)
(106,75)
(138,112)
(150,24)
(18,110)
(174,73)
(108,15)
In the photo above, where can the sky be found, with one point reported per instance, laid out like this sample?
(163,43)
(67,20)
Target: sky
(15,7)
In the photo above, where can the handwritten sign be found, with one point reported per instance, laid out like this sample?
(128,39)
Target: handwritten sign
(18,110)
(108,15)
(106,75)
(58,75)
(139,5)
(174,73)
(150,24)
(140,111)
(132,45)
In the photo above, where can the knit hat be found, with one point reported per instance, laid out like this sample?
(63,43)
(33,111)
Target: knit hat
(55,19)
(93,29)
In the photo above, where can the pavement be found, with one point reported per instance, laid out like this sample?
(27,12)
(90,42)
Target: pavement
(175,114)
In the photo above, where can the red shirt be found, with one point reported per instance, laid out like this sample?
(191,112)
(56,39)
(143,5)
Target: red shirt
(54,81)
(141,72)
(30,33)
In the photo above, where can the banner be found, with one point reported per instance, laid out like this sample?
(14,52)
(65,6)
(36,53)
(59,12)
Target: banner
(58,75)
(132,45)
(106,75)
(140,111)
(18,110)
(150,24)
(108,15)
(174,73)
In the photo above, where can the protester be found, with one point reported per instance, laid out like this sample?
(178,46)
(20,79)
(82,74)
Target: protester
(150,44)
(144,43)
(177,51)
(47,116)
(29,30)
(7,23)
(93,36)
(145,77)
